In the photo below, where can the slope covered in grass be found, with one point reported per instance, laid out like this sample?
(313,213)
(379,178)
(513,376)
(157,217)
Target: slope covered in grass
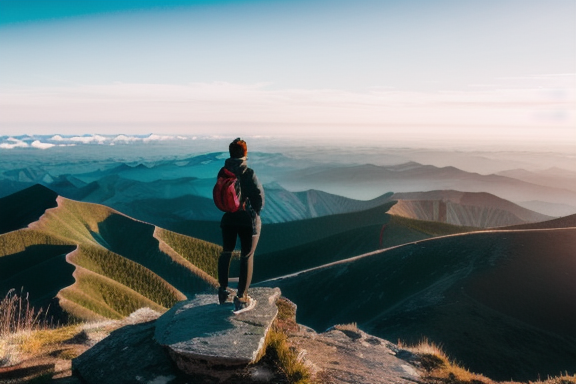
(500,302)
(101,263)
(202,254)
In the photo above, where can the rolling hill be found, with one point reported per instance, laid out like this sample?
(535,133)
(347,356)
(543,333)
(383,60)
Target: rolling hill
(500,302)
(98,263)
(291,247)
(476,209)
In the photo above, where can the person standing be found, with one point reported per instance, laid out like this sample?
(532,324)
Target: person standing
(244,224)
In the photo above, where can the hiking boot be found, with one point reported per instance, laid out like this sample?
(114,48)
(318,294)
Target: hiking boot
(241,303)
(223,294)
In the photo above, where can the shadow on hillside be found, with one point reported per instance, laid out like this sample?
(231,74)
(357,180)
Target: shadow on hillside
(135,241)
(24,207)
(39,272)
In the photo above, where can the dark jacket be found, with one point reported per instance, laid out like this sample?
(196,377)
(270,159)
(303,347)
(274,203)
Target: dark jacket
(252,195)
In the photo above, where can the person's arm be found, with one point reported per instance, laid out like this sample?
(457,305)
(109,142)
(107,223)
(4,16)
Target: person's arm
(254,191)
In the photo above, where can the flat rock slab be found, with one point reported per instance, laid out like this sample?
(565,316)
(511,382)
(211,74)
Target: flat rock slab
(207,339)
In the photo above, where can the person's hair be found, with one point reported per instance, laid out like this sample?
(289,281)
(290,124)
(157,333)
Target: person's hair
(238,148)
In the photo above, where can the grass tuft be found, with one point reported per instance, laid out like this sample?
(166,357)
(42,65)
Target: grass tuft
(24,331)
(287,359)
(351,330)
(17,315)
(439,367)
(563,379)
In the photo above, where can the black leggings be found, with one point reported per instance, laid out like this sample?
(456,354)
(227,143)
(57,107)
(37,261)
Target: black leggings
(248,243)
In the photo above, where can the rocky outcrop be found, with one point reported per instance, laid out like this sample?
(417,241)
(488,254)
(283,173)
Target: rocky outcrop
(345,354)
(207,340)
(199,341)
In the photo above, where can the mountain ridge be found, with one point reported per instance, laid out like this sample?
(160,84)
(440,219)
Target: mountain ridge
(466,291)
(120,264)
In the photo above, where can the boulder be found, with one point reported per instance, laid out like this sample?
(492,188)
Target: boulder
(208,341)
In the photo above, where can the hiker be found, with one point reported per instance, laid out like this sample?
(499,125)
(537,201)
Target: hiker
(244,224)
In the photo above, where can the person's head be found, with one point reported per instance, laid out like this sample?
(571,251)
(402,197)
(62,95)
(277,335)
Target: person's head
(238,148)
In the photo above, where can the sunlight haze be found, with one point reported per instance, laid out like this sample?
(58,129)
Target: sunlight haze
(482,71)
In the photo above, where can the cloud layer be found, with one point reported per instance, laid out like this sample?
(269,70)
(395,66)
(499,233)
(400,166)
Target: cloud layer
(539,107)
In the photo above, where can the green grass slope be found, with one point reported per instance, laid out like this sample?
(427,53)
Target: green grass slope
(500,302)
(100,263)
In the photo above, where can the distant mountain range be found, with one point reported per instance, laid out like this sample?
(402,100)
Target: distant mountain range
(552,177)
(364,181)
(172,193)
(176,185)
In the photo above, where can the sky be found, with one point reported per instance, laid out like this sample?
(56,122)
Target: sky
(484,71)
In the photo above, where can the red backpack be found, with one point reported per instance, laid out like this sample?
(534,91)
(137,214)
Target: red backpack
(226,192)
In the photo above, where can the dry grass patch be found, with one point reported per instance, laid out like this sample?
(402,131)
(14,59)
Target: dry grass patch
(19,321)
(287,359)
(278,351)
(439,368)
(563,379)
(17,315)
(46,339)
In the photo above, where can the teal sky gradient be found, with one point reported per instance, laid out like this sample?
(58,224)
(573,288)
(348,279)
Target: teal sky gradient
(23,11)
(341,47)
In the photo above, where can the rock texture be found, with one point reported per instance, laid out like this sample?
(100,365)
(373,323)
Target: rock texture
(127,356)
(343,355)
(206,340)
(203,342)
